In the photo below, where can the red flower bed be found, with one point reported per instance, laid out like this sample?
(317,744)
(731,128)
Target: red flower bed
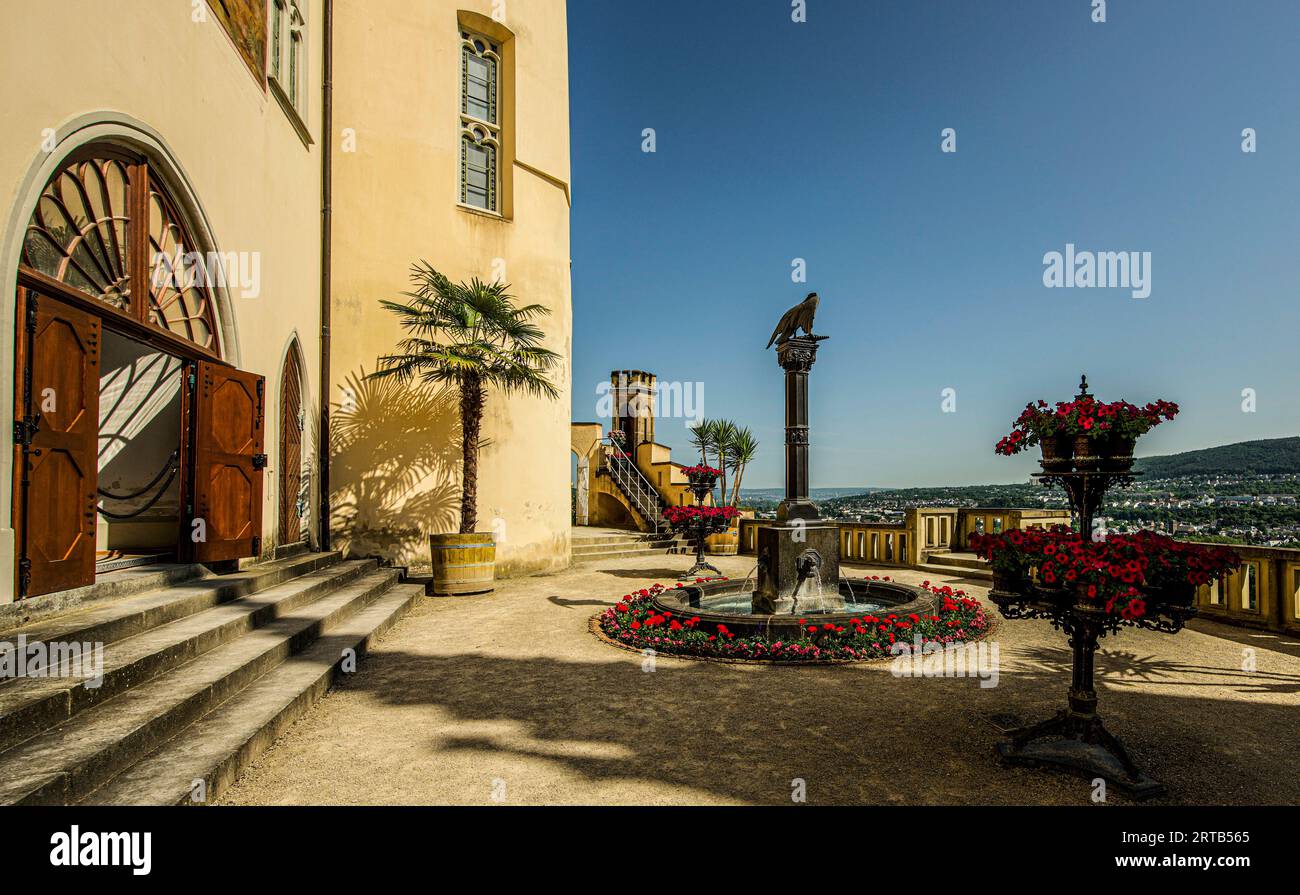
(637,622)
(1084,416)
(1121,574)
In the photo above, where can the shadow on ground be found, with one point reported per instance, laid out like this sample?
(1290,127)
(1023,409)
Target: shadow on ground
(667,577)
(855,734)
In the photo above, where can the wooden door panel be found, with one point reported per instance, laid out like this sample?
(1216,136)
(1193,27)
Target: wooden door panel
(229,416)
(59,476)
(290,450)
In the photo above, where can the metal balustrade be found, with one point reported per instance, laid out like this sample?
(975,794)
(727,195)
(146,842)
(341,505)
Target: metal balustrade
(634,485)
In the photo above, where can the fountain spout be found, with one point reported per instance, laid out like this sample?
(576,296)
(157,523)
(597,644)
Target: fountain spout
(808,565)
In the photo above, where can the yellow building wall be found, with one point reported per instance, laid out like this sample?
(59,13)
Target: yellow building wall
(396,201)
(149,74)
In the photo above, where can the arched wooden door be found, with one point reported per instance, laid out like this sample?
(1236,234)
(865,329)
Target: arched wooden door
(291,423)
(108,248)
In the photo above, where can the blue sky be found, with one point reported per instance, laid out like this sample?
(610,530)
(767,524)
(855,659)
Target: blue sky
(821,141)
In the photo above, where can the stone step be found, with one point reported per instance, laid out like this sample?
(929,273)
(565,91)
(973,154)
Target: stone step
(66,763)
(108,586)
(297,548)
(31,705)
(220,745)
(605,547)
(163,601)
(622,552)
(620,537)
(961,560)
(958,571)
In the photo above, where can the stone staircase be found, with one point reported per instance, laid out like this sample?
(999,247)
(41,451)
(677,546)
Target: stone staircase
(964,565)
(641,495)
(596,545)
(199,677)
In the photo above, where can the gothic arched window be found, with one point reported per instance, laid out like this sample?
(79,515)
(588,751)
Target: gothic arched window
(107,227)
(480,121)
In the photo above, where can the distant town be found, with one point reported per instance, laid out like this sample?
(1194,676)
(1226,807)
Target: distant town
(1240,509)
(1246,493)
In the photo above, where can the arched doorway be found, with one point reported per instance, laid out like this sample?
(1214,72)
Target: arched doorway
(132,436)
(292,422)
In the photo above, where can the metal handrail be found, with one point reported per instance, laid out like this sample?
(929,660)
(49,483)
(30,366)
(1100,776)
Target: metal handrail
(634,483)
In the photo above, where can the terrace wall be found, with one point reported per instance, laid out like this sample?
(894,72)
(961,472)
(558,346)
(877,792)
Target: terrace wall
(1264,593)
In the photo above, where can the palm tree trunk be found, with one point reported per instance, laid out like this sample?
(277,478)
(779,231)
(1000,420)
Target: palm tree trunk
(735,488)
(472,399)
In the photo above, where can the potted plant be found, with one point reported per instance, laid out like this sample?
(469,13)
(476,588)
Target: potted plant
(471,337)
(1091,588)
(1125,577)
(700,521)
(1085,434)
(702,476)
(1007,556)
(1036,425)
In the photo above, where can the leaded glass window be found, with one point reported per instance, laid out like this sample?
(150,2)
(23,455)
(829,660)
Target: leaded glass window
(479,87)
(478,173)
(480,121)
(78,233)
(87,230)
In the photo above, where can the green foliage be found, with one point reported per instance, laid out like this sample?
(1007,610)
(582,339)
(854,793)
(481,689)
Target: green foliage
(1270,457)
(469,332)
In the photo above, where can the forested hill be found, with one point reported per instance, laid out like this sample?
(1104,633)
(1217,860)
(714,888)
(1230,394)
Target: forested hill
(1275,455)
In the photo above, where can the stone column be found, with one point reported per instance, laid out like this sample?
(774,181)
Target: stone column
(584,491)
(797,356)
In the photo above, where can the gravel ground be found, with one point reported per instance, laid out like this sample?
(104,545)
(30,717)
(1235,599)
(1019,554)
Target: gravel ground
(509,699)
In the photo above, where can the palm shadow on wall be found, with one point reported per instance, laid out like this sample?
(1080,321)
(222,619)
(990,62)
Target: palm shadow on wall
(394,467)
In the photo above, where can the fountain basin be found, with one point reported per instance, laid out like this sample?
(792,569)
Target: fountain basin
(730,603)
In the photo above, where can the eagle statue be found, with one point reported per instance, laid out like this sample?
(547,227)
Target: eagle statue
(799,317)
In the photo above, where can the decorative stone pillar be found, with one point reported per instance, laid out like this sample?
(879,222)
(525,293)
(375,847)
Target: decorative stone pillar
(800,543)
(797,356)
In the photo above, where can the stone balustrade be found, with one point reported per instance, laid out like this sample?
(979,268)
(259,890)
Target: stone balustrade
(1264,593)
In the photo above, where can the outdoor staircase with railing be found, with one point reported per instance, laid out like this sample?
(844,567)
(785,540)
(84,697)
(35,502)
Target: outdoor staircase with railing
(642,495)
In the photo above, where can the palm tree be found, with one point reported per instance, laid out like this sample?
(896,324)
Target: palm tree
(743,449)
(704,438)
(470,336)
(724,434)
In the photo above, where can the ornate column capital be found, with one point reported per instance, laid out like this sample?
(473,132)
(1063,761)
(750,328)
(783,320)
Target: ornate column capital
(797,355)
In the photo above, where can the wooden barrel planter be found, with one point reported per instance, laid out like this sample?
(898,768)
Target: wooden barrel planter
(724,543)
(463,564)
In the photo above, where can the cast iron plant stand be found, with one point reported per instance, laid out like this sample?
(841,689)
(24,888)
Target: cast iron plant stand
(702,486)
(1076,738)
